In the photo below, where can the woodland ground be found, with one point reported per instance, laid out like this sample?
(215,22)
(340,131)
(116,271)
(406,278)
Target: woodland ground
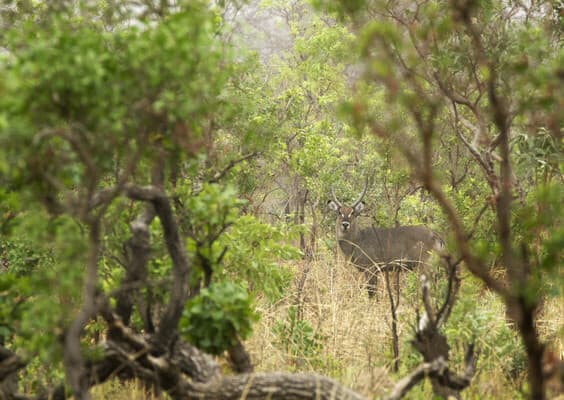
(327,324)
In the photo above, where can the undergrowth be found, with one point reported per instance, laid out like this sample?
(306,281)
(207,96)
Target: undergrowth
(331,327)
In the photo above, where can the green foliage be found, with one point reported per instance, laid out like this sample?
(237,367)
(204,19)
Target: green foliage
(212,210)
(298,338)
(26,304)
(481,322)
(342,8)
(207,216)
(9,205)
(236,247)
(256,255)
(41,286)
(58,72)
(217,317)
(538,157)
(39,375)
(20,257)
(539,227)
(304,87)
(11,302)
(85,88)
(31,314)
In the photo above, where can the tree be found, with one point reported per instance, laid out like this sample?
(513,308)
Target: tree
(120,125)
(486,74)
(101,127)
(100,123)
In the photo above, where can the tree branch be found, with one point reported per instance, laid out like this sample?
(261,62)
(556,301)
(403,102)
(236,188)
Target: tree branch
(436,369)
(452,289)
(72,356)
(10,363)
(137,249)
(219,175)
(181,266)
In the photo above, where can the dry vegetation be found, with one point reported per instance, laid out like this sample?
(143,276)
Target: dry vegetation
(352,334)
(355,339)
(353,330)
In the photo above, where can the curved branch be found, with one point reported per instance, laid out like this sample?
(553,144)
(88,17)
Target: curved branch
(436,369)
(137,252)
(180,264)
(219,175)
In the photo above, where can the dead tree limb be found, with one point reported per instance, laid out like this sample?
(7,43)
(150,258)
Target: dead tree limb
(437,369)
(219,175)
(181,266)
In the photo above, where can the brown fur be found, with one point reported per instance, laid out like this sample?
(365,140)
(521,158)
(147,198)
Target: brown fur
(373,250)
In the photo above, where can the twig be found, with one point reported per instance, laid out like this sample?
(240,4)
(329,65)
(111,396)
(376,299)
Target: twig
(437,368)
(393,310)
(219,175)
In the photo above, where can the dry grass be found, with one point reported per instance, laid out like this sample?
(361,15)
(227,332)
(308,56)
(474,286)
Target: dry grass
(353,330)
(551,325)
(355,340)
(356,336)
(116,390)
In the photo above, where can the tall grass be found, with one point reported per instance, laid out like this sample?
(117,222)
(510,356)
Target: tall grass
(326,323)
(130,390)
(353,334)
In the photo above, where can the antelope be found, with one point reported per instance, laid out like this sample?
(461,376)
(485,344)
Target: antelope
(373,250)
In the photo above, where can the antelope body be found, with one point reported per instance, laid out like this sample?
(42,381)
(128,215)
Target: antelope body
(373,250)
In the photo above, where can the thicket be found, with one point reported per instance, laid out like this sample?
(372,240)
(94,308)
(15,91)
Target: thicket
(163,188)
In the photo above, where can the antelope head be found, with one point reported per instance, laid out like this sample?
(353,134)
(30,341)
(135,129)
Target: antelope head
(346,216)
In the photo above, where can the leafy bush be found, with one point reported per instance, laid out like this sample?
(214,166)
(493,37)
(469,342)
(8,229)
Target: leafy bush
(236,247)
(217,317)
(477,319)
(256,254)
(20,257)
(297,337)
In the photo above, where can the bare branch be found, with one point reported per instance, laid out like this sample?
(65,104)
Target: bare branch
(72,356)
(471,146)
(393,309)
(219,175)
(435,369)
(10,363)
(478,217)
(137,249)
(140,360)
(275,386)
(181,265)
(432,320)
(240,359)
(452,289)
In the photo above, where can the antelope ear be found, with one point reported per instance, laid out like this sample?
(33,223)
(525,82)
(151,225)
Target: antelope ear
(332,206)
(359,207)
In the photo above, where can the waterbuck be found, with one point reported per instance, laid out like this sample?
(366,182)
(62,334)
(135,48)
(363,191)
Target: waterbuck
(373,250)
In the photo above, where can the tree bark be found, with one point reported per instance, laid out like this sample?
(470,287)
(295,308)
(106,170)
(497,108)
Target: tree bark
(180,265)
(275,386)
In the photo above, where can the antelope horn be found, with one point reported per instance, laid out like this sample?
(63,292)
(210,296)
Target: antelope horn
(335,197)
(356,203)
